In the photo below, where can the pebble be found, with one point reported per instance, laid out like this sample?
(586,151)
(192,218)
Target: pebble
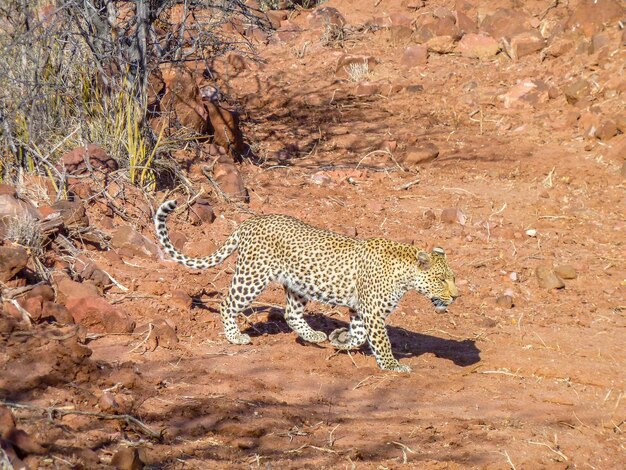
(547,279)
(504,301)
(565,271)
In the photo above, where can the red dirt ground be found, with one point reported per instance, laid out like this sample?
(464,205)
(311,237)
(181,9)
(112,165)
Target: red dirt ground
(538,385)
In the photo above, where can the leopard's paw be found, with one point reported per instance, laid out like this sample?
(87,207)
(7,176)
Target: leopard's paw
(340,338)
(317,337)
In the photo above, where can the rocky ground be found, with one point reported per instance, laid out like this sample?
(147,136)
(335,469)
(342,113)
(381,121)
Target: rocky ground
(494,129)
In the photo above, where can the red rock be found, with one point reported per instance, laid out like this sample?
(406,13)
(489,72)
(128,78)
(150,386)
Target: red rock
(12,261)
(560,46)
(504,301)
(24,442)
(441,44)
(34,306)
(7,325)
(617,148)
(98,316)
(82,160)
(275,17)
(565,271)
(178,239)
(620,122)
(453,216)
(326,16)
(225,128)
(59,312)
(11,207)
(72,213)
(400,34)
(505,23)
(420,154)
(400,19)
(547,279)
(575,91)
(464,23)
(7,422)
(43,290)
(229,180)
(201,212)
(590,16)
(130,242)
(526,43)
(607,130)
(180,100)
(181,299)
(414,55)
(589,123)
(527,92)
(369,89)
(8,190)
(127,459)
(68,289)
(165,334)
(479,46)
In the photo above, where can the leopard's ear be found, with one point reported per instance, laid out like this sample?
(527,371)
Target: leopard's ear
(439,251)
(423,261)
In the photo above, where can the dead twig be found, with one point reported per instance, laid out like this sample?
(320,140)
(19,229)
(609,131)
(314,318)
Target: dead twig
(51,411)
(407,185)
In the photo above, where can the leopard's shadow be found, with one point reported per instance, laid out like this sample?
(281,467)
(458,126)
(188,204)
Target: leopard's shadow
(404,343)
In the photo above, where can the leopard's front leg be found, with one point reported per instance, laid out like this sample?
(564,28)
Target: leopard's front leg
(379,342)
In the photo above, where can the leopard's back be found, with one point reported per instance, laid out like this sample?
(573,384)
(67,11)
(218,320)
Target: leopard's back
(316,263)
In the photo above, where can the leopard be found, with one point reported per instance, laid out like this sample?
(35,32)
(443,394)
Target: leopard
(368,276)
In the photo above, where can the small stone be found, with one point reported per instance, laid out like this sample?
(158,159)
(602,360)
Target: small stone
(514,276)
(326,16)
(68,289)
(565,271)
(453,216)
(574,92)
(181,299)
(526,43)
(417,155)
(547,279)
(87,158)
(504,301)
(72,213)
(229,180)
(25,443)
(607,130)
(201,212)
(12,261)
(165,334)
(129,242)
(7,422)
(478,46)
(96,315)
(59,312)
(127,459)
(414,56)
(531,232)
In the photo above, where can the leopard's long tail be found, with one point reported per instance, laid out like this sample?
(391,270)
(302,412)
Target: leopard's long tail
(216,258)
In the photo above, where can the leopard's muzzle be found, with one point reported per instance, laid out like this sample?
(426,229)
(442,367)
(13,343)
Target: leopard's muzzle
(440,305)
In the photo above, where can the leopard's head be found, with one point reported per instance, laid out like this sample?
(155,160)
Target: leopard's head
(435,279)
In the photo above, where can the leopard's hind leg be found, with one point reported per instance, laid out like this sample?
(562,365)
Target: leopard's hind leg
(248,282)
(294,316)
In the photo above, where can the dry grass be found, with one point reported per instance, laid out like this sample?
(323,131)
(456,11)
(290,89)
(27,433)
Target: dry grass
(359,72)
(25,231)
